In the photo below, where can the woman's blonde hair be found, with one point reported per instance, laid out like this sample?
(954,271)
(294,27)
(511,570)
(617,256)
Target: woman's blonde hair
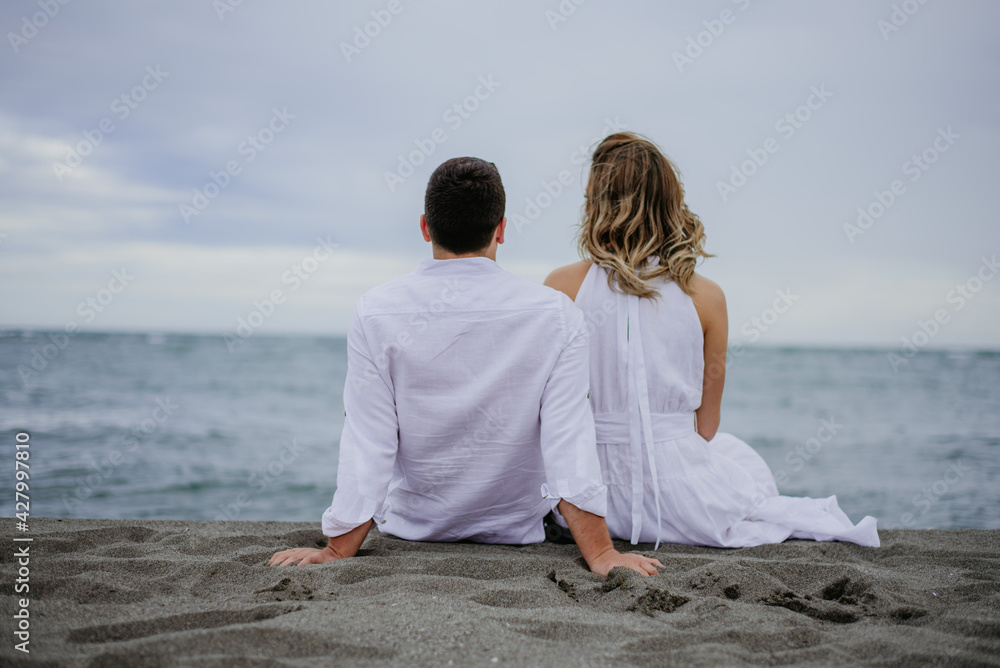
(634,211)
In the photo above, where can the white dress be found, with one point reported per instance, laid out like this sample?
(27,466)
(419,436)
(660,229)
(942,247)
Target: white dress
(646,372)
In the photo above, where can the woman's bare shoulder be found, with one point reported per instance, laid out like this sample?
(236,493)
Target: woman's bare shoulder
(707,290)
(568,279)
(708,298)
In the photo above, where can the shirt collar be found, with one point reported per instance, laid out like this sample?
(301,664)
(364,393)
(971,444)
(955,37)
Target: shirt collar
(458,266)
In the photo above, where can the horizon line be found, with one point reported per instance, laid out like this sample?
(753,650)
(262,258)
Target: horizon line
(7,331)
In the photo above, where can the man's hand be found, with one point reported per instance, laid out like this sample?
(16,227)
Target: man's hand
(591,536)
(603,564)
(340,547)
(304,555)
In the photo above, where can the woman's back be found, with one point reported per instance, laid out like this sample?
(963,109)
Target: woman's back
(671,342)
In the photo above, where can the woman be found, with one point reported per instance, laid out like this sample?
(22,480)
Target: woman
(654,322)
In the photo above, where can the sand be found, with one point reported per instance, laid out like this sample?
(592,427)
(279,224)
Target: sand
(171,593)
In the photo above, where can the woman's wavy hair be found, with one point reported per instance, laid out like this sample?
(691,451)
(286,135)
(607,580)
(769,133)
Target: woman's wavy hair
(634,211)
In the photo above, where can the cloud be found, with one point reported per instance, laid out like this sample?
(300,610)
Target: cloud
(325,173)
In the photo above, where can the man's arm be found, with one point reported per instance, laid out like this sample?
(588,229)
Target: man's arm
(569,450)
(591,535)
(340,547)
(368,447)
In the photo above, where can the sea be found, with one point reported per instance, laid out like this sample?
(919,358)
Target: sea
(190,427)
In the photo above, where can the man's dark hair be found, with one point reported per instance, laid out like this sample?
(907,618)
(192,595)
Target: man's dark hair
(464,204)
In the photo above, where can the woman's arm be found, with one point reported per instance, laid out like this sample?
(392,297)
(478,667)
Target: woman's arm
(710,302)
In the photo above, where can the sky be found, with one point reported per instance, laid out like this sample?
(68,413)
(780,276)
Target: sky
(180,166)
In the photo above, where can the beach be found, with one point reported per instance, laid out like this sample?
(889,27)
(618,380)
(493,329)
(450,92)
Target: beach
(186,593)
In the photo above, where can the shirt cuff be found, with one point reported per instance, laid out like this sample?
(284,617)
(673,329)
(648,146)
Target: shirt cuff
(587,495)
(342,517)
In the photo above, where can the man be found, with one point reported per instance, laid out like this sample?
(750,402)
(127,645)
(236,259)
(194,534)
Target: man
(466,398)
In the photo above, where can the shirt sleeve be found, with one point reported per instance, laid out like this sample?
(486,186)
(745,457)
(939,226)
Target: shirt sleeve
(369,441)
(569,441)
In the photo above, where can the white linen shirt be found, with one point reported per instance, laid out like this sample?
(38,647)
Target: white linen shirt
(467,413)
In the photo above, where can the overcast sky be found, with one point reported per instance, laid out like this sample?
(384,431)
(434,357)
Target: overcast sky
(113,114)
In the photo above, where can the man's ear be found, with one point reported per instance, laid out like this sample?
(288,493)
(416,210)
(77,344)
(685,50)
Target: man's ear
(501,229)
(423,228)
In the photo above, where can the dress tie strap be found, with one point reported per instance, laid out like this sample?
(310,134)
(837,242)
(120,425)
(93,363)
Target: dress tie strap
(640,417)
(635,449)
(637,359)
